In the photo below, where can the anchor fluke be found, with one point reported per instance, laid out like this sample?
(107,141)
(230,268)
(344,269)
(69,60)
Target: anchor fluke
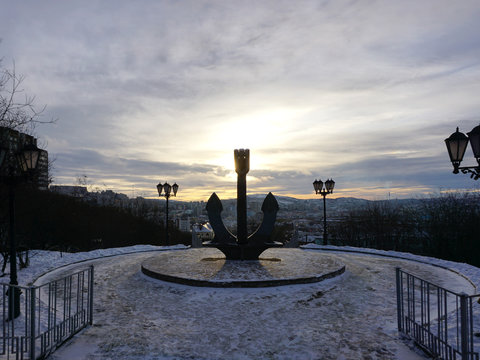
(214,209)
(264,232)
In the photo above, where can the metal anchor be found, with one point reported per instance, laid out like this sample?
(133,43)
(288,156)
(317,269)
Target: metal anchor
(242,247)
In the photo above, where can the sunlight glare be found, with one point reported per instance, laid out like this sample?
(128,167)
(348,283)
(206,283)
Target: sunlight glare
(255,131)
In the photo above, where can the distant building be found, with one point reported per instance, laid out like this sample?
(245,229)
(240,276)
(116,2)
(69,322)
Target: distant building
(15,141)
(75,191)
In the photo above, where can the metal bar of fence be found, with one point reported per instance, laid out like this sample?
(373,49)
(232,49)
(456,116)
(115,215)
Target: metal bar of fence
(90,288)
(439,316)
(458,325)
(408,316)
(422,309)
(464,322)
(4,331)
(398,276)
(449,334)
(445,318)
(32,323)
(430,339)
(54,298)
(470,335)
(50,314)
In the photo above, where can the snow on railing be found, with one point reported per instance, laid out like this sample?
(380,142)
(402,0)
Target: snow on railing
(437,319)
(36,320)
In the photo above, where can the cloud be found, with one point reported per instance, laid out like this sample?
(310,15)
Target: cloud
(364,91)
(122,174)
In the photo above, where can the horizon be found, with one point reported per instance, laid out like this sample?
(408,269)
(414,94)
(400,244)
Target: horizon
(153,91)
(229,196)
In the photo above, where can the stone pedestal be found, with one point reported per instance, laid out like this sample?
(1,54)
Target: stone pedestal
(276,267)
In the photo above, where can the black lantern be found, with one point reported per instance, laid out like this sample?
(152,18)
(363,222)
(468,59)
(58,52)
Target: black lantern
(28,157)
(329,185)
(474,137)
(318,185)
(456,146)
(167,188)
(175,189)
(160,189)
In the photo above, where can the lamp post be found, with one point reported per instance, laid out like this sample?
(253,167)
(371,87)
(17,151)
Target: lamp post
(456,146)
(166,191)
(319,188)
(16,168)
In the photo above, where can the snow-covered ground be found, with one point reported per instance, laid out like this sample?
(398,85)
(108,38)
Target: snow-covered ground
(352,316)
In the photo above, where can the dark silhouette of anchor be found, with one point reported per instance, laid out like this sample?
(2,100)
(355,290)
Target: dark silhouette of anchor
(242,247)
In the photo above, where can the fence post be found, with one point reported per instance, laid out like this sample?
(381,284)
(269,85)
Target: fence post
(464,328)
(32,322)
(399,299)
(90,300)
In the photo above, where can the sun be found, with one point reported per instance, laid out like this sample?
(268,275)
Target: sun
(256,131)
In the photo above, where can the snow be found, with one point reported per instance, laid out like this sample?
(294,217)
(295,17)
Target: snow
(352,316)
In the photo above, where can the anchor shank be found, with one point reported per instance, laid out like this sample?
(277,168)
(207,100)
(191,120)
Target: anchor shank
(242,209)
(242,166)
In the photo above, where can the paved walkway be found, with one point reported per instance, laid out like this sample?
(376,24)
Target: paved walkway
(350,317)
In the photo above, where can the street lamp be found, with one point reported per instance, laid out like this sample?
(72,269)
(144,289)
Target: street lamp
(456,146)
(16,168)
(166,191)
(318,185)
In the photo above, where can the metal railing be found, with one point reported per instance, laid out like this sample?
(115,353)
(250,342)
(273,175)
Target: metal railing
(438,320)
(49,315)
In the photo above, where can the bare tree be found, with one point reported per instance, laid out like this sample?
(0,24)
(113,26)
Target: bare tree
(17,112)
(17,109)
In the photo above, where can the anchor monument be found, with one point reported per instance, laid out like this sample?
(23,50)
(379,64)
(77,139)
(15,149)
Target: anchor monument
(242,246)
(188,267)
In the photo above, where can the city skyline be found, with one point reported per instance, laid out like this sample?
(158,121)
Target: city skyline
(144,92)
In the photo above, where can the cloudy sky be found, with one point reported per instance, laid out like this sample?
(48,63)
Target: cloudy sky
(364,92)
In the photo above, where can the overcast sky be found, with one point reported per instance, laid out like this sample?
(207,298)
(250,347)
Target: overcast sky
(364,92)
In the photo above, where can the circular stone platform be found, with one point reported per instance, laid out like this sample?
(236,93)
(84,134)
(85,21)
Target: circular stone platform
(208,267)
